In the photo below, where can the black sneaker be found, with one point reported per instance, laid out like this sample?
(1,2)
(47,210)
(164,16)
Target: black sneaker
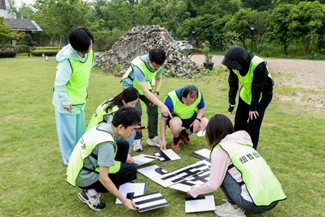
(92,201)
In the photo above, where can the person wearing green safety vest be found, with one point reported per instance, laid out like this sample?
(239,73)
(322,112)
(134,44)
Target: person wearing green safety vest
(75,62)
(139,75)
(255,94)
(239,170)
(182,104)
(98,162)
(105,112)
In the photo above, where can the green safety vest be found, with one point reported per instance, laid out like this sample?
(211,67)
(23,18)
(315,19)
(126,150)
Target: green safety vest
(99,114)
(246,90)
(84,148)
(77,85)
(262,185)
(148,74)
(180,109)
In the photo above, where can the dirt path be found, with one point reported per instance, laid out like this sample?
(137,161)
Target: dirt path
(306,77)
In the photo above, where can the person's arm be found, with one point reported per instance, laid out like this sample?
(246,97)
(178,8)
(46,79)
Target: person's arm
(158,82)
(233,88)
(219,166)
(63,75)
(200,113)
(154,99)
(109,185)
(260,75)
(163,122)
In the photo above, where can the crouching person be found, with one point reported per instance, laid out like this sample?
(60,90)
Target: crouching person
(98,163)
(238,169)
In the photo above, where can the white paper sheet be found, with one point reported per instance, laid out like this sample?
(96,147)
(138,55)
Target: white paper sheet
(152,171)
(143,159)
(200,204)
(167,155)
(136,188)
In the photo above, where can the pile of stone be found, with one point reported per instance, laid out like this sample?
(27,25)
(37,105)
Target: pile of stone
(138,41)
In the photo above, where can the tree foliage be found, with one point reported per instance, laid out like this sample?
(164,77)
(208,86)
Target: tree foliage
(5,33)
(306,19)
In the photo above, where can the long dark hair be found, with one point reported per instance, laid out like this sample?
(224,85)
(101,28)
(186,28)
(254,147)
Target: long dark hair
(219,127)
(129,94)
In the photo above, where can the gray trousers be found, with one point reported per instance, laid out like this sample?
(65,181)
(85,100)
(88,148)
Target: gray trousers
(232,189)
(152,112)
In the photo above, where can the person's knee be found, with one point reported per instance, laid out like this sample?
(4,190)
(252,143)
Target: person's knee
(122,144)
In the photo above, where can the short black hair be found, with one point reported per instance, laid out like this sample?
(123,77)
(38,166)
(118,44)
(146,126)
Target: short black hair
(157,56)
(190,90)
(80,39)
(127,116)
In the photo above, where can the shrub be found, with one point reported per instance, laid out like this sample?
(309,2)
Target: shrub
(47,48)
(5,54)
(18,48)
(38,53)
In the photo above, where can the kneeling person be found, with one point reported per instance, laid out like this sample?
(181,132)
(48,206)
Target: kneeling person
(97,163)
(182,104)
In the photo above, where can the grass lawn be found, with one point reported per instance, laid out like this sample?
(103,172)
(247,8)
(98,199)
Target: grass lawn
(32,174)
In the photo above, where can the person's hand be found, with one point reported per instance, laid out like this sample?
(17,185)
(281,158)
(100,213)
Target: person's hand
(253,115)
(196,126)
(68,108)
(129,159)
(129,205)
(165,111)
(163,145)
(231,110)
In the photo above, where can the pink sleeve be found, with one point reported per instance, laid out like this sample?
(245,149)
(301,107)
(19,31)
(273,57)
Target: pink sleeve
(219,166)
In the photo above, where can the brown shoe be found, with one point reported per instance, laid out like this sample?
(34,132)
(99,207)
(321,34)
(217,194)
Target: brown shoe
(185,138)
(176,145)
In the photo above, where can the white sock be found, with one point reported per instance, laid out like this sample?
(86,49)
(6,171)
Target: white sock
(91,192)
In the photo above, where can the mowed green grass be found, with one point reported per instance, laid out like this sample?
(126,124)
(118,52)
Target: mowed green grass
(32,174)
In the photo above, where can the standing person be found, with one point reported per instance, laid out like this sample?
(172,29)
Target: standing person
(97,163)
(139,75)
(182,104)
(255,94)
(75,62)
(105,112)
(239,170)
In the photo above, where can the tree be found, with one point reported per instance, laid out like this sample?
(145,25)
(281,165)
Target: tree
(241,23)
(60,17)
(5,33)
(306,19)
(277,25)
(174,13)
(216,7)
(24,12)
(260,5)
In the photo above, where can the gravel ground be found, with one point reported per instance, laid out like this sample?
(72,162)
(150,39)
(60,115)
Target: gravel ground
(306,76)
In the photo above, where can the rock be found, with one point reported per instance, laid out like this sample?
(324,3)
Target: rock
(138,41)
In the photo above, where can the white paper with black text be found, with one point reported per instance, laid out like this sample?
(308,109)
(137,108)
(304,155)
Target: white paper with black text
(150,201)
(200,204)
(152,171)
(131,190)
(167,155)
(182,174)
(143,159)
(203,154)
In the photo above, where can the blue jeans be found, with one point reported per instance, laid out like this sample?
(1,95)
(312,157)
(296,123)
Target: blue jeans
(232,189)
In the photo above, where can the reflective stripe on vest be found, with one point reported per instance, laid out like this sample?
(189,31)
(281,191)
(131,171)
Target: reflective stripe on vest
(84,148)
(77,85)
(246,90)
(99,114)
(148,74)
(262,185)
(180,109)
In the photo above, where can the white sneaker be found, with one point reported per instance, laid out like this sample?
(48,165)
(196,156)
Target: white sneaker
(137,145)
(226,210)
(92,201)
(155,142)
